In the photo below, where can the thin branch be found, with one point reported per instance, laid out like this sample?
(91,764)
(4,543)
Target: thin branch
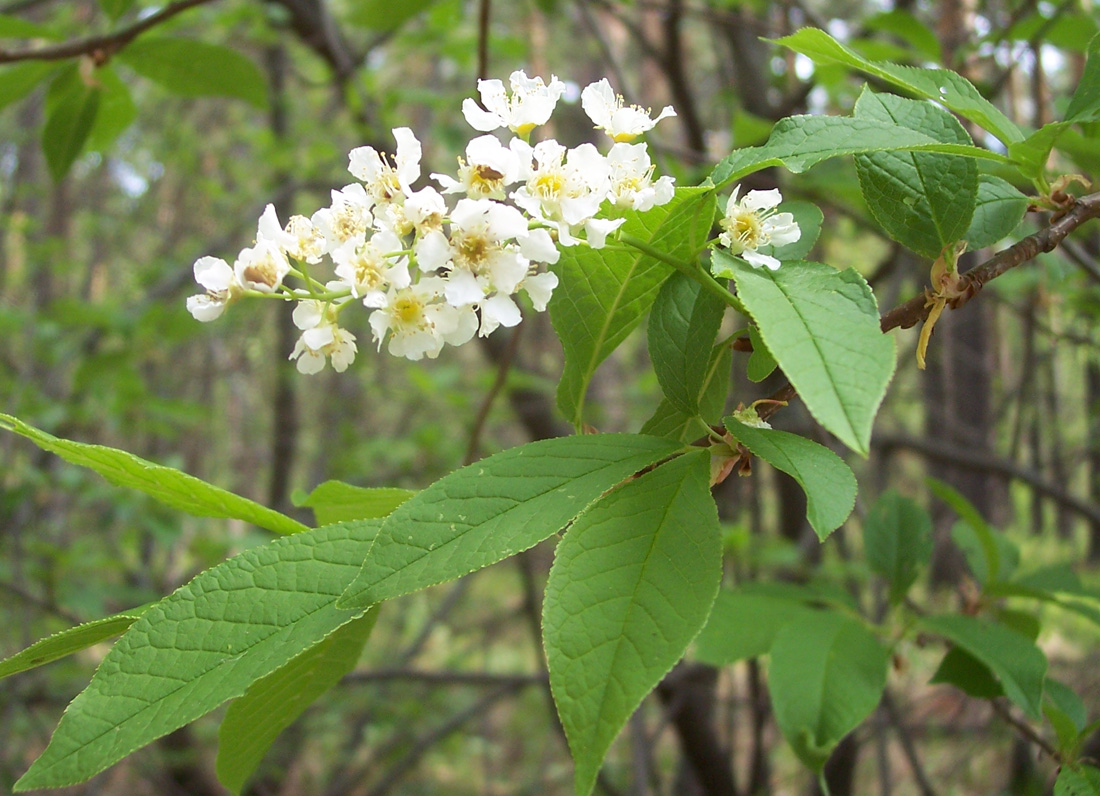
(100,48)
(483,19)
(905,738)
(1024,729)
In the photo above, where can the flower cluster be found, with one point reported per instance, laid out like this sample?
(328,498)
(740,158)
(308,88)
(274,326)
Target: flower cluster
(435,266)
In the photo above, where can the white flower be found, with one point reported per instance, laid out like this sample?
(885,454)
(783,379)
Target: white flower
(530,104)
(539,287)
(366,270)
(347,220)
(488,169)
(425,209)
(305,242)
(631,179)
(386,179)
(563,188)
(221,285)
(261,267)
(752,222)
(321,338)
(607,111)
(419,322)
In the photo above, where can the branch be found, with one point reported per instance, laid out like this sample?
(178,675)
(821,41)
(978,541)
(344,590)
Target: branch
(100,48)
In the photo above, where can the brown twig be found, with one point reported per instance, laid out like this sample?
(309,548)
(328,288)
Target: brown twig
(100,48)
(1024,729)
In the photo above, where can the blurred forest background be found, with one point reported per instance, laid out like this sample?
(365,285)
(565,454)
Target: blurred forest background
(451,694)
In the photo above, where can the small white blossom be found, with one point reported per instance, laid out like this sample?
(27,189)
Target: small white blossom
(366,270)
(321,338)
(539,288)
(608,112)
(346,220)
(632,179)
(419,322)
(261,267)
(529,105)
(388,179)
(489,168)
(751,222)
(563,188)
(221,284)
(425,209)
(305,243)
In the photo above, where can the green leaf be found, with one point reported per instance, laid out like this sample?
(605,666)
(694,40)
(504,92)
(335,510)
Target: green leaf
(922,200)
(19,80)
(908,28)
(743,624)
(604,293)
(203,644)
(335,501)
(990,548)
(632,583)
(115,8)
(944,86)
(1018,664)
(1032,153)
(828,482)
(682,326)
(69,120)
(822,327)
(962,670)
(116,110)
(1085,104)
(998,211)
(761,363)
(495,508)
(17,28)
(166,484)
(384,15)
(897,537)
(669,422)
(1067,715)
(1078,780)
(196,69)
(827,673)
(73,639)
(799,142)
(272,703)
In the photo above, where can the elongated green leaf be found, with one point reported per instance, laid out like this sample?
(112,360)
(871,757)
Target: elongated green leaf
(73,639)
(19,80)
(997,212)
(1018,664)
(897,537)
(603,294)
(799,142)
(69,120)
(828,482)
(948,88)
(632,583)
(272,703)
(682,326)
(822,327)
(383,15)
(196,69)
(1085,104)
(12,27)
(1078,780)
(166,484)
(990,568)
(923,200)
(203,644)
(827,673)
(495,508)
(335,501)
(672,423)
(962,670)
(743,624)
(761,363)
(117,110)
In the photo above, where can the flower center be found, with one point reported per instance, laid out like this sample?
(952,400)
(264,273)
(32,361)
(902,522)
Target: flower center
(747,228)
(408,310)
(549,185)
(473,248)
